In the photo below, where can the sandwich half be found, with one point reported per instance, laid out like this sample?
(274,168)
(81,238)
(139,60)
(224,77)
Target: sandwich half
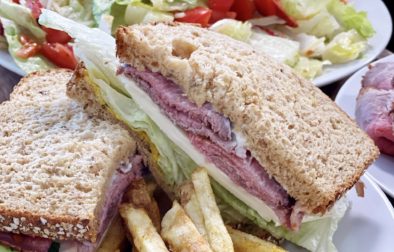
(279,152)
(62,171)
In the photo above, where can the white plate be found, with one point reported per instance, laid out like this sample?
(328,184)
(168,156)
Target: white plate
(7,61)
(381,22)
(368,225)
(377,14)
(382,171)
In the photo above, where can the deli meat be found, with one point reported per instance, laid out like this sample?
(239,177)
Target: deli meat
(24,242)
(211,133)
(375,106)
(380,76)
(374,114)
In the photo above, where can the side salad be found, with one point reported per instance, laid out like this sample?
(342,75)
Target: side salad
(305,34)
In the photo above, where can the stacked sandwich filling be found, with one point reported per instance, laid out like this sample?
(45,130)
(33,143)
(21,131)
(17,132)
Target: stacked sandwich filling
(211,133)
(124,175)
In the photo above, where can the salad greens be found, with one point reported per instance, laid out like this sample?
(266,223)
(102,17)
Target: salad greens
(12,34)
(5,249)
(97,49)
(80,11)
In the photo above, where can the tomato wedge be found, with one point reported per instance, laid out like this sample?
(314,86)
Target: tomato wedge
(60,55)
(220,5)
(218,15)
(198,15)
(35,6)
(274,8)
(56,36)
(245,9)
(29,47)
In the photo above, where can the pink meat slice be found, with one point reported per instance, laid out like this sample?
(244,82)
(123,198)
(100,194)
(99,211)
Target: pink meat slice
(24,242)
(380,76)
(215,142)
(374,114)
(124,175)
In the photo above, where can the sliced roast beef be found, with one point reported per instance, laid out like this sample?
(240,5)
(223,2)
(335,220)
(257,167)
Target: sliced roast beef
(374,114)
(211,133)
(380,76)
(24,242)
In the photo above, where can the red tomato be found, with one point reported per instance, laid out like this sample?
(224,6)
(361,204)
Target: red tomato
(56,36)
(60,55)
(244,8)
(29,47)
(274,8)
(35,6)
(15,1)
(220,5)
(199,15)
(218,15)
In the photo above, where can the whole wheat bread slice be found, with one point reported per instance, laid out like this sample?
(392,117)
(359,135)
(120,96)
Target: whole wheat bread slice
(311,147)
(56,161)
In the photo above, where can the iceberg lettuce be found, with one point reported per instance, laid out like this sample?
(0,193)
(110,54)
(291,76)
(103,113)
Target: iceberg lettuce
(97,49)
(344,47)
(349,18)
(77,10)
(236,29)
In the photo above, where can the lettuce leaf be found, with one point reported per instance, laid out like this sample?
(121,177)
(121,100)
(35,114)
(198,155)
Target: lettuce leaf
(77,10)
(31,64)
(100,8)
(128,12)
(5,249)
(303,9)
(281,49)
(236,29)
(310,68)
(344,47)
(97,49)
(322,24)
(350,18)
(21,16)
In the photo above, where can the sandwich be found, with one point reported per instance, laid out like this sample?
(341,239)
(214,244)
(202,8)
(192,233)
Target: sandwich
(62,171)
(279,152)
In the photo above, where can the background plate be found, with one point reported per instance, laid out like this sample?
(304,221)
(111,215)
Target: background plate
(382,171)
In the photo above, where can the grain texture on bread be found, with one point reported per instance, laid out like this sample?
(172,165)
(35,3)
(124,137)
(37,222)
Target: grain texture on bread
(311,147)
(56,161)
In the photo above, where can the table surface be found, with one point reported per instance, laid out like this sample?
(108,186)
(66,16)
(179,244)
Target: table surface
(9,79)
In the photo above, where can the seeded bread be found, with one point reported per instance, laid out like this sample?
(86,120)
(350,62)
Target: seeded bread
(56,161)
(311,147)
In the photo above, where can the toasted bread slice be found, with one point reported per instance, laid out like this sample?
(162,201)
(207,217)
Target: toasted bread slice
(56,161)
(311,147)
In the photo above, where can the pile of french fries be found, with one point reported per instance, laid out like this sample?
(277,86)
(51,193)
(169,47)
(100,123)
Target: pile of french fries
(190,225)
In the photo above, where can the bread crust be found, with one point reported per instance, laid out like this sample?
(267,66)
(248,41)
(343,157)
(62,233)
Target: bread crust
(46,89)
(305,141)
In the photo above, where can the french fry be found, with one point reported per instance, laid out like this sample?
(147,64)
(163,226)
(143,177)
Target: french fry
(140,194)
(190,203)
(115,238)
(180,233)
(244,242)
(218,237)
(145,236)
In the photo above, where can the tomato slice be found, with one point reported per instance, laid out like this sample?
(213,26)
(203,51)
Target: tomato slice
(35,6)
(274,8)
(220,5)
(56,36)
(218,15)
(60,55)
(198,15)
(29,47)
(245,9)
